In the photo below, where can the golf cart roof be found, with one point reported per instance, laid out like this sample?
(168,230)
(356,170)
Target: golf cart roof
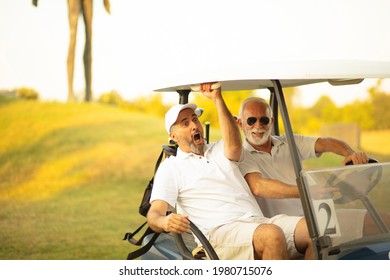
(289,73)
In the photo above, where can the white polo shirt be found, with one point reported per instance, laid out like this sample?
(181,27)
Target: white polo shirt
(279,166)
(209,189)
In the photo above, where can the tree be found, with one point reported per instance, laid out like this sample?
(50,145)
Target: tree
(325,109)
(380,106)
(75,8)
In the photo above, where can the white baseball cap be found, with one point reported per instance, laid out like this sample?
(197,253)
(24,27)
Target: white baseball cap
(173,113)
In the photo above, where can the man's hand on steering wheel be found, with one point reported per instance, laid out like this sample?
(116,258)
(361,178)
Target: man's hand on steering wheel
(356,158)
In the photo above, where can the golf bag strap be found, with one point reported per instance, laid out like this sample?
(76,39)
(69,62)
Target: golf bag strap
(129,235)
(143,249)
(158,161)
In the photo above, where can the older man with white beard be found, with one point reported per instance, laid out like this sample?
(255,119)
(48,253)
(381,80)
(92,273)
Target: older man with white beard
(268,166)
(268,169)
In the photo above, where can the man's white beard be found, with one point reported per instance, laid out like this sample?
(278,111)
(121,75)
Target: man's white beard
(198,150)
(258,141)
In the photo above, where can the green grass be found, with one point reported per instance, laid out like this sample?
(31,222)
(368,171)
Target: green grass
(72,177)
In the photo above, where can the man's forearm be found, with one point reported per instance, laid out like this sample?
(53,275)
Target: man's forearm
(229,130)
(155,221)
(333,145)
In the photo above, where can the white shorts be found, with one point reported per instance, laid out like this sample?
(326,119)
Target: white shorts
(234,241)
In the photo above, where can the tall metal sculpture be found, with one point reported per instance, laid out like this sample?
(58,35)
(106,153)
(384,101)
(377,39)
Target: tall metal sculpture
(85,8)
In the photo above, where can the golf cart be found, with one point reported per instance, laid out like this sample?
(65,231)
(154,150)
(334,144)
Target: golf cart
(362,187)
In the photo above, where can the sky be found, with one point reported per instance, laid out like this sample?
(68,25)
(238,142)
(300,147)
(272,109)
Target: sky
(143,45)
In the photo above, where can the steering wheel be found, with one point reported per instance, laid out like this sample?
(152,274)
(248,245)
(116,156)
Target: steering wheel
(186,254)
(370,160)
(357,184)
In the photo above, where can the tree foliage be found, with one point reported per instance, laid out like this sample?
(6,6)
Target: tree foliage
(370,114)
(151,104)
(380,102)
(111,98)
(27,93)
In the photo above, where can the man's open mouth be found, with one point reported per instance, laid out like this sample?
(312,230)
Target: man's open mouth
(197,138)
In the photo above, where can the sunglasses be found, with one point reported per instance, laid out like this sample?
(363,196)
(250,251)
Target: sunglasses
(252,120)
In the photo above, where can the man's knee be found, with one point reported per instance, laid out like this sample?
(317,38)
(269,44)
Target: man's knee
(269,239)
(303,242)
(301,230)
(269,232)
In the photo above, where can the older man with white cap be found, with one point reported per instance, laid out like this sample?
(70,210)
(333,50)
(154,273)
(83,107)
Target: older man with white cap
(204,181)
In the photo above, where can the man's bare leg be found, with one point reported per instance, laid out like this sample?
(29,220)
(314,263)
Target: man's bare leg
(269,243)
(303,242)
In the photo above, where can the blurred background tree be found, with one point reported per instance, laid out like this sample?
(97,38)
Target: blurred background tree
(27,93)
(111,98)
(370,114)
(380,107)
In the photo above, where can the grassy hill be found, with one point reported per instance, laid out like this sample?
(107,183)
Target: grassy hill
(72,177)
